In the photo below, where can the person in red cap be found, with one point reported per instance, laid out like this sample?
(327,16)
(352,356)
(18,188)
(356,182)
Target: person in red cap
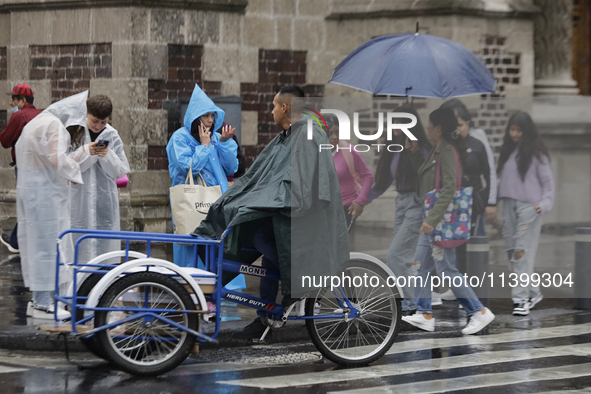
(23,111)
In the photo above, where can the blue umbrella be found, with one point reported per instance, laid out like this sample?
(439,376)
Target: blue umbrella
(418,65)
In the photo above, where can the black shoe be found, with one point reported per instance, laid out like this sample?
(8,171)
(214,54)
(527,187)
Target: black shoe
(5,239)
(521,309)
(287,301)
(253,331)
(409,312)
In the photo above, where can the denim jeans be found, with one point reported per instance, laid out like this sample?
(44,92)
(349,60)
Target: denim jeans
(263,240)
(479,223)
(43,298)
(521,228)
(443,261)
(409,216)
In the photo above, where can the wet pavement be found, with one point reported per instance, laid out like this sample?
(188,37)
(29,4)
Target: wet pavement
(549,350)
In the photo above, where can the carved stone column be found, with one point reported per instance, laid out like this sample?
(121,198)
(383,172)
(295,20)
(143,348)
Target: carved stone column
(553,49)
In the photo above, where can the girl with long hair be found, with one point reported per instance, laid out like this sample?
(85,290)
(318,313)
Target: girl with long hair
(442,132)
(402,169)
(526,189)
(477,173)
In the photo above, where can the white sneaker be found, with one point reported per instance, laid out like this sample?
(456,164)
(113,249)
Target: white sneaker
(46,313)
(30,308)
(448,295)
(534,301)
(420,321)
(436,299)
(478,321)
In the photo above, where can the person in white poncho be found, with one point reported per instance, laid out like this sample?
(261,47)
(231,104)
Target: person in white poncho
(95,203)
(48,152)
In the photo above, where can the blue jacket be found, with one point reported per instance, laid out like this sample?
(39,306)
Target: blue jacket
(214,162)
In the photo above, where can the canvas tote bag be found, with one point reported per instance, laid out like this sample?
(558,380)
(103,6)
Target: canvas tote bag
(190,203)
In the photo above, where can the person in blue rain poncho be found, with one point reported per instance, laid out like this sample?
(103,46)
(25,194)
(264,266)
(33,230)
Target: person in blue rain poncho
(212,153)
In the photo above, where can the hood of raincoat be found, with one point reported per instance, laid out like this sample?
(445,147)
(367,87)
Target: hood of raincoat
(200,105)
(71,111)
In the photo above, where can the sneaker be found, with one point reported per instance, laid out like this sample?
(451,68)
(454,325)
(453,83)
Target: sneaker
(448,295)
(409,312)
(211,307)
(435,299)
(46,313)
(521,309)
(534,301)
(5,239)
(287,301)
(478,321)
(30,308)
(420,321)
(253,331)
(316,308)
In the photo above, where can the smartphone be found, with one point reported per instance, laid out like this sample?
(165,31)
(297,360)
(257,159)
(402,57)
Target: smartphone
(103,143)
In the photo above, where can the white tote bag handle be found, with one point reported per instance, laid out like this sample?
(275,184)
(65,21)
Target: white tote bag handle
(189,179)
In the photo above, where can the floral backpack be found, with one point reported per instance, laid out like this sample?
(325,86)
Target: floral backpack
(454,228)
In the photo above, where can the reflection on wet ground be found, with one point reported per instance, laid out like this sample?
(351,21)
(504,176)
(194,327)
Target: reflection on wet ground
(553,249)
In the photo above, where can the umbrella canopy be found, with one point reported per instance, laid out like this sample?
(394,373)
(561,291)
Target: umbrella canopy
(418,65)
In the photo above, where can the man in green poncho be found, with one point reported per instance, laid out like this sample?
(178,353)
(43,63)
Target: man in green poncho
(287,206)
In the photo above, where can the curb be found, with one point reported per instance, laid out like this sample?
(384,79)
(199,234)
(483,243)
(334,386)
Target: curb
(29,338)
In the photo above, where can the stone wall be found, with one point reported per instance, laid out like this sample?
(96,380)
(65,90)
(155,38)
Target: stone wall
(276,68)
(147,57)
(184,71)
(3,64)
(69,67)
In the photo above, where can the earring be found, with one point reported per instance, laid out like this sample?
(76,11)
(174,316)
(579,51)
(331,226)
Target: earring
(455,134)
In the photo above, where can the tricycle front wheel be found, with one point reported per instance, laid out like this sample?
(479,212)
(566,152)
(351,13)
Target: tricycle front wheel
(361,340)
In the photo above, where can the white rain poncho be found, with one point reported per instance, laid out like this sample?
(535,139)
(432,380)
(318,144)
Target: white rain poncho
(95,204)
(43,187)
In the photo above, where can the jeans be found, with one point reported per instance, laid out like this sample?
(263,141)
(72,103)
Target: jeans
(521,228)
(478,228)
(263,240)
(43,298)
(407,222)
(443,261)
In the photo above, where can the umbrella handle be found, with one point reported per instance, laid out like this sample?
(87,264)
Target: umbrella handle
(406,91)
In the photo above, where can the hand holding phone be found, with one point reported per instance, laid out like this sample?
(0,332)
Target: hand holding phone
(204,135)
(102,148)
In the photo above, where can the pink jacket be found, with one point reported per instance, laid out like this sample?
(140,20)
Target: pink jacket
(355,177)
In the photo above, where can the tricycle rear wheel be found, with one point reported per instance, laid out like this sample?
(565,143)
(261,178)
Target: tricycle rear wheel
(147,345)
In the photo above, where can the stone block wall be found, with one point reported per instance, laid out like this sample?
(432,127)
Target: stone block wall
(3,77)
(276,68)
(3,64)
(184,71)
(147,58)
(504,65)
(70,67)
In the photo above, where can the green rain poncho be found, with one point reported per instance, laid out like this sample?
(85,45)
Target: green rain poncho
(295,184)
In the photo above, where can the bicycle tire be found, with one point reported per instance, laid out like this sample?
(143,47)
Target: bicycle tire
(368,327)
